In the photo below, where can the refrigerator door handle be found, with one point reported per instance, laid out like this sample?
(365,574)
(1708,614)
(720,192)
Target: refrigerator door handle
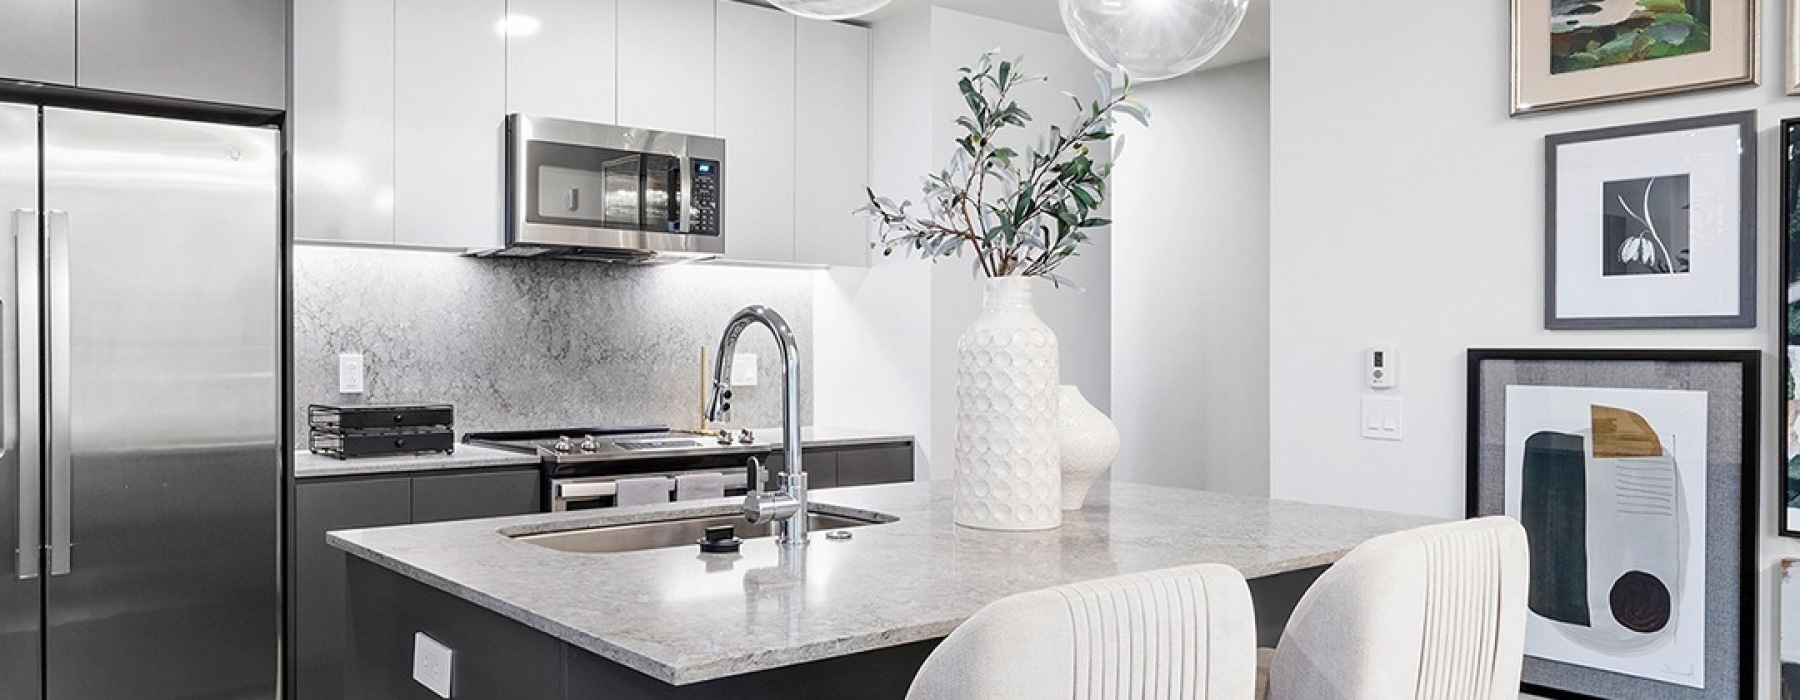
(57,243)
(25,247)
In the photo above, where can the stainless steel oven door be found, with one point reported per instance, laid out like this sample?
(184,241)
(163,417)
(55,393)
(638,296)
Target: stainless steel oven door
(590,492)
(594,186)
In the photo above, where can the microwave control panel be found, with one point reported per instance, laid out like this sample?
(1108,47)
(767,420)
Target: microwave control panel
(706,197)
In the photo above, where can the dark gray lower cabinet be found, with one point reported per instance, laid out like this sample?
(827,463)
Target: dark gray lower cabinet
(830,467)
(438,498)
(874,465)
(319,591)
(319,568)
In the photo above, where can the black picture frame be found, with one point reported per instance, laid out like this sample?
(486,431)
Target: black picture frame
(1731,380)
(1788,487)
(1743,316)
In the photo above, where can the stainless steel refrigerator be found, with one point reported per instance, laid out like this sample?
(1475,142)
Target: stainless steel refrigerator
(140,468)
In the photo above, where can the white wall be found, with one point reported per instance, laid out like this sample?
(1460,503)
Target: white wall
(873,325)
(1190,290)
(887,336)
(1407,210)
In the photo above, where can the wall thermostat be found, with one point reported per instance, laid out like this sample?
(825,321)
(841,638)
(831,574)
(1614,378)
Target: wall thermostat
(1381,368)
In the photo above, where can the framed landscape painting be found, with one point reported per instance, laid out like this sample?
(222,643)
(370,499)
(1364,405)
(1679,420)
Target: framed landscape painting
(1634,475)
(1652,225)
(1578,52)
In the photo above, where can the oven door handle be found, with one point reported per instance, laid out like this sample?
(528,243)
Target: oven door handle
(575,490)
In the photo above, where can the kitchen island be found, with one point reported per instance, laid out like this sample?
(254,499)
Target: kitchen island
(850,618)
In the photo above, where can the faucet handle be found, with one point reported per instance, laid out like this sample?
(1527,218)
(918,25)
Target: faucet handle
(758,474)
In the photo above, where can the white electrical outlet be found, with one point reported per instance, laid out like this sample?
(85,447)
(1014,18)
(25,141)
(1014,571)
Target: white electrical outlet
(432,664)
(743,369)
(350,373)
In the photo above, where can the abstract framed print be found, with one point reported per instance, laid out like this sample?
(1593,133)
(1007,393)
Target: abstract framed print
(1652,225)
(1634,474)
(1579,52)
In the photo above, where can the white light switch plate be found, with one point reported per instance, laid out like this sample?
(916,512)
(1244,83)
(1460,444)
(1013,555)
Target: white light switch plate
(350,373)
(1382,418)
(743,369)
(432,664)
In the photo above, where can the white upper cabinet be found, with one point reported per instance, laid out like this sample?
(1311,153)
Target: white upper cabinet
(756,118)
(37,40)
(226,51)
(449,121)
(831,157)
(562,59)
(666,67)
(342,121)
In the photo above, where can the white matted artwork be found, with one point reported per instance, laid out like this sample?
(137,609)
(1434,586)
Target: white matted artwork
(1652,225)
(1790,629)
(1611,487)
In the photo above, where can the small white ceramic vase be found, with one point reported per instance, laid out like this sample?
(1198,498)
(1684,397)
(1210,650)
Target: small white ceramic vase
(1090,443)
(1008,470)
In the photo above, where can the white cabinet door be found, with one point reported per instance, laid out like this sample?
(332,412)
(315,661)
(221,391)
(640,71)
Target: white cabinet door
(342,120)
(666,66)
(561,59)
(449,122)
(831,160)
(756,119)
(227,51)
(37,40)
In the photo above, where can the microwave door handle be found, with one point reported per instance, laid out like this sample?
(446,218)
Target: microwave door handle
(684,198)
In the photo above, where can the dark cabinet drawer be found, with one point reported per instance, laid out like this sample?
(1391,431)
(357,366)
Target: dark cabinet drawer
(443,497)
(875,465)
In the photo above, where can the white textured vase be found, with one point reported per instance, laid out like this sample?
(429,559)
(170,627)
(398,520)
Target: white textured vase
(1008,470)
(1090,442)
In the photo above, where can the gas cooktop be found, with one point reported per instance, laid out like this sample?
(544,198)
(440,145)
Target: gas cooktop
(586,445)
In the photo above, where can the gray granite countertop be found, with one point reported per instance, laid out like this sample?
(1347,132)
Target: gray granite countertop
(308,465)
(682,617)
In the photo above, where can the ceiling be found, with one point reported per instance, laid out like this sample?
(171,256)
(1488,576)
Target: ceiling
(1251,42)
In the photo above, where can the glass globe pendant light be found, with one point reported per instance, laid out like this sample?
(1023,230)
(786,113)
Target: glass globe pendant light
(1152,39)
(830,9)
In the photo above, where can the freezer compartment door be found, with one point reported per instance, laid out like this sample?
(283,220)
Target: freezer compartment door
(21,532)
(162,248)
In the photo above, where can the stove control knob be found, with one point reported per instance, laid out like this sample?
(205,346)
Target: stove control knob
(588,444)
(563,445)
(746,437)
(724,437)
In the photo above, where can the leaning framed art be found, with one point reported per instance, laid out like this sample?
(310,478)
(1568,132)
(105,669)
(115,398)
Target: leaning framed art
(1578,52)
(1790,329)
(1634,474)
(1652,225)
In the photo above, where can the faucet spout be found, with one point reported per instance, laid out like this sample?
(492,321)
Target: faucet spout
(787,503)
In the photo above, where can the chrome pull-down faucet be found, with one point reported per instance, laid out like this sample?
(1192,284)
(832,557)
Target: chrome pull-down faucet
(786,503)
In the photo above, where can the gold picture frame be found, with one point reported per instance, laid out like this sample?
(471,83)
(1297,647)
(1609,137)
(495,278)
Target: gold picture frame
(1543,79)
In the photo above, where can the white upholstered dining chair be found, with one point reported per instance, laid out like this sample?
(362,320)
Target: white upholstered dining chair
(1436,613)
(1178,634)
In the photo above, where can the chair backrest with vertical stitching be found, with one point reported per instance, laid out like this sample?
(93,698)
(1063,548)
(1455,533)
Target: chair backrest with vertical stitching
(1436,613)
(1179,634)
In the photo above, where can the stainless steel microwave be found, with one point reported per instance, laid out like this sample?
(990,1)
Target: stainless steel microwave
(577,190)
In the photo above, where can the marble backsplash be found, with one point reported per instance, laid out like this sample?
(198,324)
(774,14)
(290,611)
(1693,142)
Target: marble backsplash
(517,344)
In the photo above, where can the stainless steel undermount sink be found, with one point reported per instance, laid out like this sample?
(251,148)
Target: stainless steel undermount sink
(678,533)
